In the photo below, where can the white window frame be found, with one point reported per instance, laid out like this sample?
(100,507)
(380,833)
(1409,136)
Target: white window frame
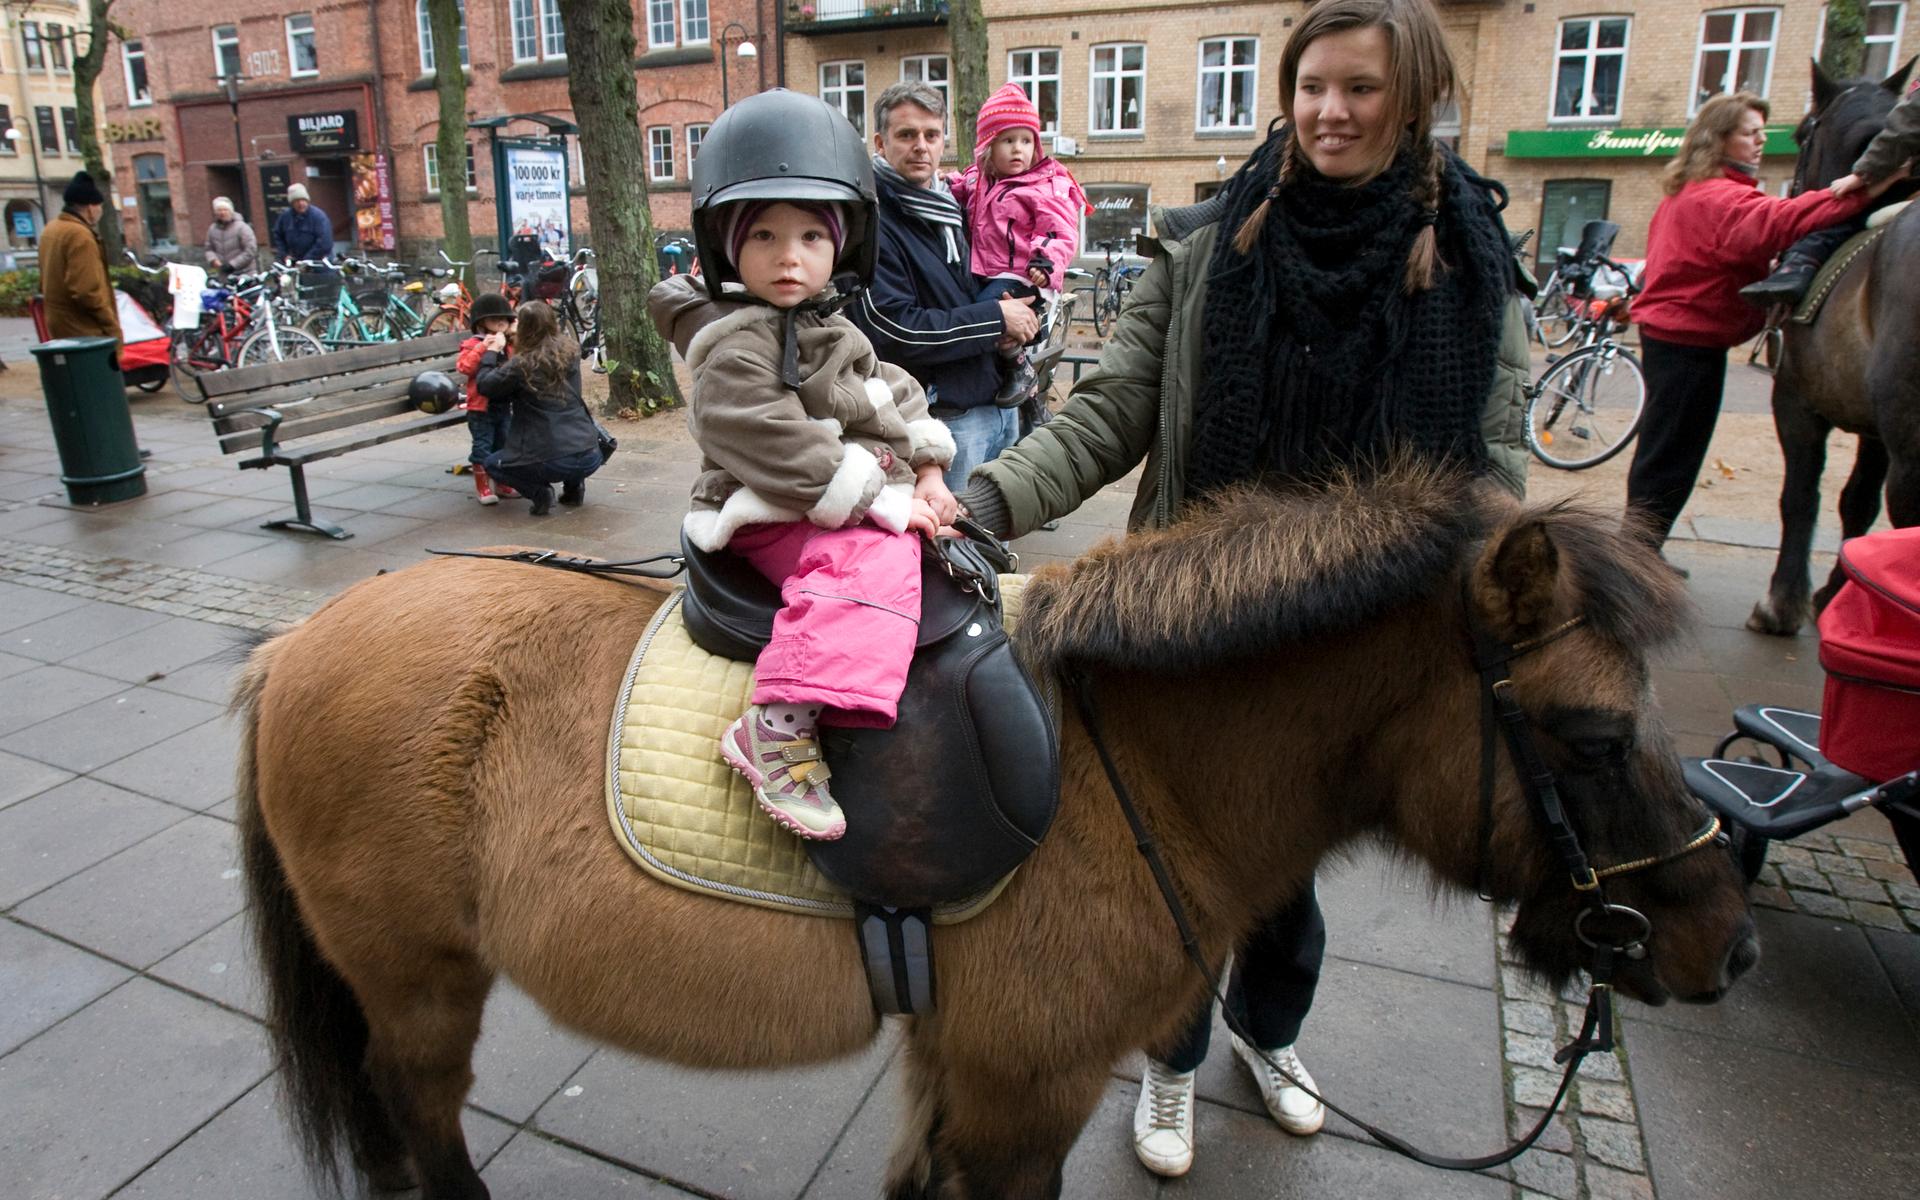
(1226,73)
(57,36)
(430,164)
(33,45)
(1890,41)
(553,31)
(128,52)
(233,38)
(836,94)
(694,14)
(1028,77)
(1592,55)
(944,85)
(1733,49)
(293,57)
(696,134)
(660,153)
(427,52)
(660,23)
(1119,74)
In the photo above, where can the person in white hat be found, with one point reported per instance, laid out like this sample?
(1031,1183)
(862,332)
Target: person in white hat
(231,244)
(303,233)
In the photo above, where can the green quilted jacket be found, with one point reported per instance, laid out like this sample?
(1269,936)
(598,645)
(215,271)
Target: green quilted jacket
(1137,404)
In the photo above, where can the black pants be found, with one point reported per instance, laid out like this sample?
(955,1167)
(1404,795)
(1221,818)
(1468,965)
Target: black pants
(1821,243)
(1684,386)
(1274,977)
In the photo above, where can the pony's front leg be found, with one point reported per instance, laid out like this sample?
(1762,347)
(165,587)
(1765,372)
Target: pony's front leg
(1001,1134)
(1803,443)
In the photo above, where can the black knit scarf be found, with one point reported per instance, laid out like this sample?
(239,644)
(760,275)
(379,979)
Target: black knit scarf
(1316,356)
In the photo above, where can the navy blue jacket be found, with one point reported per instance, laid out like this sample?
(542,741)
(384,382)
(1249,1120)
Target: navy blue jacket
(921,315)
(308,236)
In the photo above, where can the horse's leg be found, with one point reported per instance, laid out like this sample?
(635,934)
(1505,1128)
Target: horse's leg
(1003,1132)
(1803,443)
(1859,506)
(912,1173)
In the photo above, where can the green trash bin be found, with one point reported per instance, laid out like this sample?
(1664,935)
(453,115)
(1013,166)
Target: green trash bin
(92,426)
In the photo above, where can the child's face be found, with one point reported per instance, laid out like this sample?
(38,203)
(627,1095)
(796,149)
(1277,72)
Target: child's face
(1011,153)
(492,325)
(787,256)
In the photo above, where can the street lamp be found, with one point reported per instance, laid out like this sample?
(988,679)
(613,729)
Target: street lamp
(230,84)
(14,135)
(744,50)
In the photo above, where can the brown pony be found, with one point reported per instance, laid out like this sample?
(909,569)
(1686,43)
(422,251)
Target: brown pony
(1282,674)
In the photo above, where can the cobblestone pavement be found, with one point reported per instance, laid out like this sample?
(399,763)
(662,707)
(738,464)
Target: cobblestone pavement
(131,1061)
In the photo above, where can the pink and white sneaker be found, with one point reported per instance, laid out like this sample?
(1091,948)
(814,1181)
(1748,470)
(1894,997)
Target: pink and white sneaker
(788,777)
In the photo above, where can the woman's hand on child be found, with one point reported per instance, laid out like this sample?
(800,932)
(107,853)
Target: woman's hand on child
(1847,183)
(495,342)
(931,486)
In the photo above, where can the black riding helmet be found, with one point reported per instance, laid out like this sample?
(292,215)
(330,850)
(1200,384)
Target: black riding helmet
(488,305)
(782,145)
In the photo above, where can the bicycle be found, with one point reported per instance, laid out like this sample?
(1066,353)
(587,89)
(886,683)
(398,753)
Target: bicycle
(455,298)
(1111,283)
(253,335)
(1587,406)
(354,319)
(579,305)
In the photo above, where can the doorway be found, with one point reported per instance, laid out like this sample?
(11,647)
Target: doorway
(330,188)
(1566,205)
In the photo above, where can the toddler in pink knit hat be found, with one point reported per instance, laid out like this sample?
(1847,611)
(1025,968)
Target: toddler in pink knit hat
(1023,213)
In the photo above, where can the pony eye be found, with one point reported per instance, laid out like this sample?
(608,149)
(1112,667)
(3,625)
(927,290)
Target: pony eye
(1599,751)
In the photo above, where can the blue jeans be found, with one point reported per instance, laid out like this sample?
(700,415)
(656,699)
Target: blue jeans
(488,429)
(979,435)
(534,480)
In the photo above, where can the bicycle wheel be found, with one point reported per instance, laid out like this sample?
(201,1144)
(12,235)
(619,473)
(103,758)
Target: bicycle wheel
(190,353)
(287,343)
(1555,317)
(1102,292)
(320,324)
(1586,408)
(444,321)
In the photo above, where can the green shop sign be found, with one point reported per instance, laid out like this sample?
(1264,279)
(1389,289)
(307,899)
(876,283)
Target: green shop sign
(1619,143)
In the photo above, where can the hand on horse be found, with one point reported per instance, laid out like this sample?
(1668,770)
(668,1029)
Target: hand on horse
(1848,184)
(930,485)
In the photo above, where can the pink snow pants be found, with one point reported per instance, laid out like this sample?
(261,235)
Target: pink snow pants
(850,613)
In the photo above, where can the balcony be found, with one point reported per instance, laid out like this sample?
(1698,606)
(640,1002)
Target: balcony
(822,18)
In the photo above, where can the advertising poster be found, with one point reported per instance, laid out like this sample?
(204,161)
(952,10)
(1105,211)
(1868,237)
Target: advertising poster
(535,185)
(372,202)
(275,178)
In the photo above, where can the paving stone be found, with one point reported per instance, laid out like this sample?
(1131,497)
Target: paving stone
(1613,1142)
(1817,842)
(1526,1016)
(1880,916)
(75,631)
(1804,877)
(1604,1067)
(1781,854)
(1770,897)
(220,965)
(1890,872)
(94,1100)
(1605,1183)
(531,1165)
(46,692)
(1383,913)
(1529,1051)
(1533,1088)
(1548,1174)
(1555,1137)
(1906,895)
(193,769)
(522,1057)
(1518,984)
(1866,848)
(45,981)
(96,734)
(149,900)
(1821,905)
(23,777)
(1838,864)
(157,650)
(1607,1100)
(1855,887)
(25,605)
(68,828)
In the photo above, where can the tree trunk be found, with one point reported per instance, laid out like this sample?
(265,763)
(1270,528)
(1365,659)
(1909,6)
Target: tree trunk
(86,72)
(450,146)
(968,27)
(1843,49)
(600,47)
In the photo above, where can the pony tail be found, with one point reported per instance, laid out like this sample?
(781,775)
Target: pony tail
(1249,232)
(1424,258)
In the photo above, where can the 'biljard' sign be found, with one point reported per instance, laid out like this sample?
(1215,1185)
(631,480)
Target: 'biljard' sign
(324,133)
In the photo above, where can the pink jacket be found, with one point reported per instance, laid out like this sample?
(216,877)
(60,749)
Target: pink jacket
(1010,220)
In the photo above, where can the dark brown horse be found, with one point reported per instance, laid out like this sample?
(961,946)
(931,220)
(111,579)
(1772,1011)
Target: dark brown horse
(1856,368)
(421,810)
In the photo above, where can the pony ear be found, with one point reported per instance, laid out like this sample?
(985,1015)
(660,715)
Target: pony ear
(1824,88)
(1897,82)
(1514,580)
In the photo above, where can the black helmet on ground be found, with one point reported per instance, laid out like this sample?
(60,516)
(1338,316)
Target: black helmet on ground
(782,145)
(434,392)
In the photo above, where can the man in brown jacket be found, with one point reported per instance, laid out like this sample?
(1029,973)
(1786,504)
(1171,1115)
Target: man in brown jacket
(73,267)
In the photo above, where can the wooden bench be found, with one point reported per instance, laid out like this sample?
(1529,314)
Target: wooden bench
(363,390)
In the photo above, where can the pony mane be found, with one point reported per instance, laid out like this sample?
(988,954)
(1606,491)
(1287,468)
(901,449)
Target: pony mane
(1256,568)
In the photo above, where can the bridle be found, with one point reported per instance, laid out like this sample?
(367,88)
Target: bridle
(1493,661)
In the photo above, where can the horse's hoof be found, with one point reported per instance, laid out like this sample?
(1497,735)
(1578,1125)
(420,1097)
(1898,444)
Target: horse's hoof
(1764,620)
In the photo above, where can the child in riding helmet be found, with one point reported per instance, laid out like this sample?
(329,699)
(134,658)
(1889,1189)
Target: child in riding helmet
(820,464)
(486,426)
(1023,214)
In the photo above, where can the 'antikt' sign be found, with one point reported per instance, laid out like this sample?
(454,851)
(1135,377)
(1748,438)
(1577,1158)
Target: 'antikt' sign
(1619,143)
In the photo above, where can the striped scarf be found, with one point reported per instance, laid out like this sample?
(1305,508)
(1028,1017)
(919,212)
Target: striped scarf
(933,206)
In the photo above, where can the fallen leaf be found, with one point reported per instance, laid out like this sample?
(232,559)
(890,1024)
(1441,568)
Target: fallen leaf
(1720,465)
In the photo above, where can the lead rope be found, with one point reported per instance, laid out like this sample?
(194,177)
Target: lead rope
(1596,1028)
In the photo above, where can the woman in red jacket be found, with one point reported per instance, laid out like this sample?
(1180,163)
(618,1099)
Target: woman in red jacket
(1715,233)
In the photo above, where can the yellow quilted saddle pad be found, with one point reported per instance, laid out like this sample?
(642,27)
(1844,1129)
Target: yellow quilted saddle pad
(681,813)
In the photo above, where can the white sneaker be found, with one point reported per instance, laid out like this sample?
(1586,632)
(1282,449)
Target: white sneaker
(1292,1109)
(1163,1120)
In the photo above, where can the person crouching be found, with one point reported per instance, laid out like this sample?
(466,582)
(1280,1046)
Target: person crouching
(551,437)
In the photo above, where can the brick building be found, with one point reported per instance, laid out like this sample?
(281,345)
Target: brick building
(1574,105)
(39,132)
(340,97)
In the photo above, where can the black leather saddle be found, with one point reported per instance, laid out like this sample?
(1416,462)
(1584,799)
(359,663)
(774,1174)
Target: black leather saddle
(964,786)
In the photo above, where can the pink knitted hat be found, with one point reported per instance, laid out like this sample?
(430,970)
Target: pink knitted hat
(740,222)
(1006,109)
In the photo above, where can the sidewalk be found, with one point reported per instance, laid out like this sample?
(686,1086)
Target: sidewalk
(132,1062)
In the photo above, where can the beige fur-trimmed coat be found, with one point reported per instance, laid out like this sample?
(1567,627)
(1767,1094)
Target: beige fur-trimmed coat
(842,447)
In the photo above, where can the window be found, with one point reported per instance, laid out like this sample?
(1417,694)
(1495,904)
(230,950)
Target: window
(430,156)
(537,31)
(57,46)
(1037,73)
(49,138)
(1119,83)
(70,124)
(302,54)
(1884,21)
(553,31)
(932,70)
(1591,62)
(1119,212)
(1736,52)
(695,135)
(226,51)
(155,196)
(9,136)
(660,153)
(1229,69)
(844,85)
(31,44)
(426,38)
(1446,123)
(659,23)
(133,57)
(693,21)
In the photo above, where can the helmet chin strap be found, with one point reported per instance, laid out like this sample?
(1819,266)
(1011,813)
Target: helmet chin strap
(846,286)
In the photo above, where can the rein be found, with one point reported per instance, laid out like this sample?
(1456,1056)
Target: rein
(641,568)
(1492,659)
